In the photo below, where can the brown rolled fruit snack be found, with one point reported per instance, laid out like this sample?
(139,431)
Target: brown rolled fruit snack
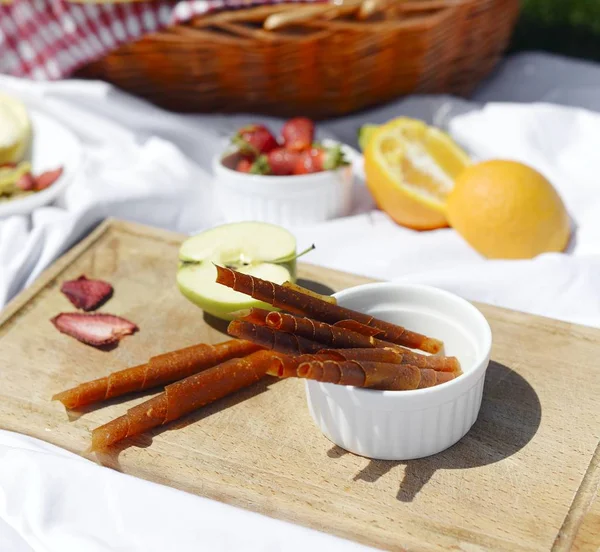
(340,337)
(288,365)
(333,336)
(271,339)
(373,375)
(330,367)
(185,396)
(396,355)
(159,370)
(312,307)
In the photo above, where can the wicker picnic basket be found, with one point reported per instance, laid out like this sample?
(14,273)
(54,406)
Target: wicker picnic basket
(319,60)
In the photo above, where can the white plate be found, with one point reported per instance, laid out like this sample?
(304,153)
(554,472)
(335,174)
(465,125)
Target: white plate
(53,145)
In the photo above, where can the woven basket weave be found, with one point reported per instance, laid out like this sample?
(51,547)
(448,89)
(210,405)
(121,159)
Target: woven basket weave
(228,62)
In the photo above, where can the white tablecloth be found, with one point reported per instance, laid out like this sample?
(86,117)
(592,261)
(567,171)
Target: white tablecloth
(149,166)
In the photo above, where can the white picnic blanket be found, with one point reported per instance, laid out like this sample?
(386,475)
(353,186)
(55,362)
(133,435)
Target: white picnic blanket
(153,167)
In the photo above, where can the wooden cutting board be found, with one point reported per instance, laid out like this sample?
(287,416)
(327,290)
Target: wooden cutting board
(524,478)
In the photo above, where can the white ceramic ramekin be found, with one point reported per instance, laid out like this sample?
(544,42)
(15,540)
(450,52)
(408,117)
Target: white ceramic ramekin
(295,200)
(402,425)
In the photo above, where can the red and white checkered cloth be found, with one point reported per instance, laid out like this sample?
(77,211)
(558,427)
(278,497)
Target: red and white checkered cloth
(49,39)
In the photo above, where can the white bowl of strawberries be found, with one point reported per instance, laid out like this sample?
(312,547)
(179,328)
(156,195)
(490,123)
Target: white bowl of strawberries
(291,181)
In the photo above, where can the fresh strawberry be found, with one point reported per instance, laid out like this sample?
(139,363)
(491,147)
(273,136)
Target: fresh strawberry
(26,182)
(298,134)
(278,162)
(254,139)
(319,158)
(244,165)
(47,178)
(281,162)
(87,294)
(261,165)
(94,328)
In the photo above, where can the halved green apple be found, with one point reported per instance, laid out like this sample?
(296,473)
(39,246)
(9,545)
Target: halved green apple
(257,248)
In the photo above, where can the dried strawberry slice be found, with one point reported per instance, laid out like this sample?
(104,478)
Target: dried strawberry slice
(26,182)
(47,178)
(95,329)
(87,294)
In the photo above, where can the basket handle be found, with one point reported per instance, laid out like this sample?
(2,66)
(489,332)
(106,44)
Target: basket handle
(330,10)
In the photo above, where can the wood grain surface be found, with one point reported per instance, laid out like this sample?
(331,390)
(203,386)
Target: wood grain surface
(524,478)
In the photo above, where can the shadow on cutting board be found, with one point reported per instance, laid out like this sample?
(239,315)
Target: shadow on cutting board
(216,323)
(509,418)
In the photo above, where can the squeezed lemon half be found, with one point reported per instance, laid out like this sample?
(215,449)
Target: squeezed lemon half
(411,168)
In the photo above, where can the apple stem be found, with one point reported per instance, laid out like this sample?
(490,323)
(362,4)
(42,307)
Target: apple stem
(302,253)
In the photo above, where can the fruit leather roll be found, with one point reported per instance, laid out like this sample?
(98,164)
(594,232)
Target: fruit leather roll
(288,365)
(374,375)
(327,367)
(342,334)
(271,339)
(443,377)
(397,356)
(294,301)
(356,326)
(253,315)
(428,378)
(322,332)
(159,370)
(185,396)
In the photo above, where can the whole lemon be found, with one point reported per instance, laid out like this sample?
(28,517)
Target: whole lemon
(507,210)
